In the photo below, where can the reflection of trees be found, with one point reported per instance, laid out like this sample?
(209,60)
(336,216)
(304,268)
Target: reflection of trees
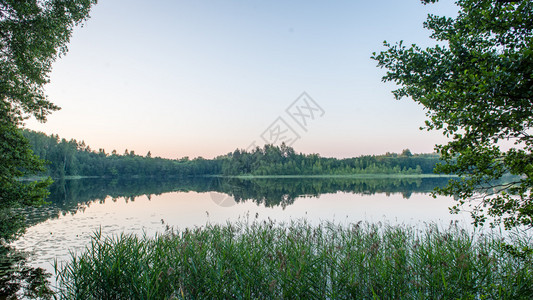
(15,274)
(70,196)
(283,191)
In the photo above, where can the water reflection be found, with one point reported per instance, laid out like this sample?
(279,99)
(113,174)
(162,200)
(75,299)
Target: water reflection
(283,191)
(71,196)
(17,277)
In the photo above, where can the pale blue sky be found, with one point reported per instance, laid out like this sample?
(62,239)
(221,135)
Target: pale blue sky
(201,78)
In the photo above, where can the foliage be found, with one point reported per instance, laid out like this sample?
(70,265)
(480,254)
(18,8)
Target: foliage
(476,85)
(71,158)
(17,160)
(264,260)
(282,160)
(32,35)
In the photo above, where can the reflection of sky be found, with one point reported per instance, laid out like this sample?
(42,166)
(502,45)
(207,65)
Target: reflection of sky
(55,237)
(201,78)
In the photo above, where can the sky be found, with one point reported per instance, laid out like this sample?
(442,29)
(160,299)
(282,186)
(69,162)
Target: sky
(202,78)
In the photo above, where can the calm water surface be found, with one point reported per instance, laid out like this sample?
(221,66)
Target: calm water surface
(80,207)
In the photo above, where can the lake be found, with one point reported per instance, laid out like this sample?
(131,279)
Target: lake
(80,207)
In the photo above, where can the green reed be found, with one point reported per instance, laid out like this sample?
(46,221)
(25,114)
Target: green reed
(300,261)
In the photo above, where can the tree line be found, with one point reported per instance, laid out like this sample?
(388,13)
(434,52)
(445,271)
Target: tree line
(74,158)
(282,160)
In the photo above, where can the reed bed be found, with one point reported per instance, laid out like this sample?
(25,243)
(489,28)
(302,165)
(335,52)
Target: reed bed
(264,260)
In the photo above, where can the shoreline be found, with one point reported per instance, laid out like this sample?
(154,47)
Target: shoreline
(249,176)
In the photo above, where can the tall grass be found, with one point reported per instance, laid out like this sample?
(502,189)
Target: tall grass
(298,260)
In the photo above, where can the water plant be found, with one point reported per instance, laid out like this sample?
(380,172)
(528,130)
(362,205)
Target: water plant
(264,259)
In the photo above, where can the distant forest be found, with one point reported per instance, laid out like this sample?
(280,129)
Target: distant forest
(73,158)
